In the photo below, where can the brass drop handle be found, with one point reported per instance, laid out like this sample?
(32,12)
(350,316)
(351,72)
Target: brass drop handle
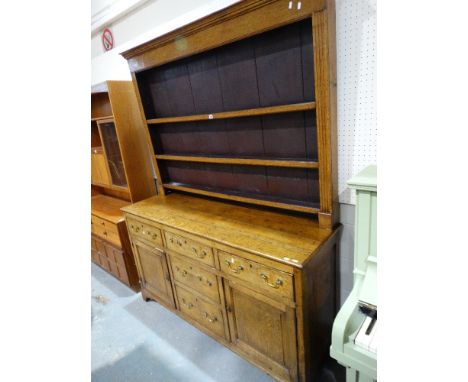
(105,233)
(171,240)
(275,285)
(214,319)
(155,235)
(184,272)
(189,305)
(239,269)
(137,229)
(199,255)
(103,223)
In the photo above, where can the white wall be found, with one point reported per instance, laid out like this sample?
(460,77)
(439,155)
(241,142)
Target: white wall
(151,20)
(357,116)
(356,89)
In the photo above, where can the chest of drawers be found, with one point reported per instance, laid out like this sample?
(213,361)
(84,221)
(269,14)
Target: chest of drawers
(260,282)
(110,244)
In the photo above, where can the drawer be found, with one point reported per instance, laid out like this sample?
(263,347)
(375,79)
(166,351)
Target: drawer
(107,234)
(206,314)
(105,229)
(264,277)
(189,248)
(98,222)
(93,224)
(144,231)
(195,278)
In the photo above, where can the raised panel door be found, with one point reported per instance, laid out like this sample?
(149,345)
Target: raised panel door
(153,271)
(116,263)
(264,329)
(94,251)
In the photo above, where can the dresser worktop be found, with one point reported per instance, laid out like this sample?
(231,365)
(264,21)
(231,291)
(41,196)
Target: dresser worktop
(108,208)
(288,239)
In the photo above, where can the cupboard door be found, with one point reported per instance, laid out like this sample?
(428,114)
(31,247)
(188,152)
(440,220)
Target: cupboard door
(113,155)
(117,263)
(94,251)
(101,254)
(264,329)
(153,271)
(99,174)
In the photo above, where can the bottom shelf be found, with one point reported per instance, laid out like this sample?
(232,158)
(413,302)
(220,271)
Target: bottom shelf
(269,201)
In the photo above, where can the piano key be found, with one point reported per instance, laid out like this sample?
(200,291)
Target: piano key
(373,344)
(366,333)
(361,338)
(371,333)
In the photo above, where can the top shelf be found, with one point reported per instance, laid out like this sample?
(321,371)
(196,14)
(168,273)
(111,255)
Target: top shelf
(237,113)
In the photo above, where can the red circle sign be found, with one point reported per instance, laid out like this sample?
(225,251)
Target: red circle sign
(107,39)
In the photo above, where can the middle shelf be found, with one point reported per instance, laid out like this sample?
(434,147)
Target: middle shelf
(241,161)
(303,106)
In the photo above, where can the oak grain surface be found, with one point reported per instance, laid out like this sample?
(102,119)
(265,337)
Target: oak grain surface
(108,208)
(265,233)
(236,114)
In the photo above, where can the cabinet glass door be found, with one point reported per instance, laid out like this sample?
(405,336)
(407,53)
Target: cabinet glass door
(114,158)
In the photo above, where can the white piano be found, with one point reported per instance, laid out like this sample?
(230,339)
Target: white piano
(355,329)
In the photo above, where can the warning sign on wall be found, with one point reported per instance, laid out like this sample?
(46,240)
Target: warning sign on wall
(107,39)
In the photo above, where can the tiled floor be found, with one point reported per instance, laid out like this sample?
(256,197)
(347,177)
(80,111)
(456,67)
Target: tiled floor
(138,341)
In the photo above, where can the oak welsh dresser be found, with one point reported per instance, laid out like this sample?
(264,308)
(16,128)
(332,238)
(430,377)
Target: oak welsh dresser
(240,111)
